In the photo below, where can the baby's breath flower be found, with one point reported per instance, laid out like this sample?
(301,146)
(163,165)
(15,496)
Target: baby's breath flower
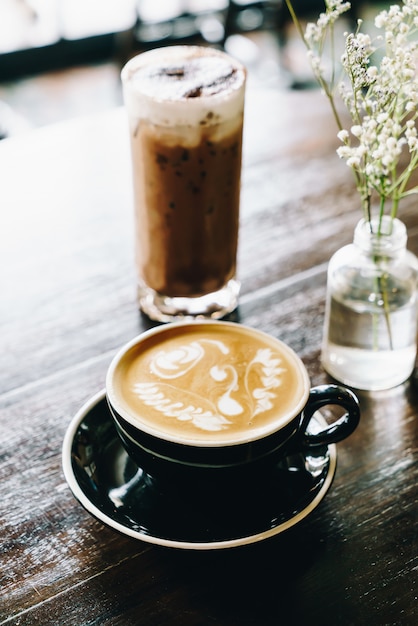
(344,152)
(372,72)
(312,33)
(343,135)
(354,162)
(412,143)
(381,97)
(380,20)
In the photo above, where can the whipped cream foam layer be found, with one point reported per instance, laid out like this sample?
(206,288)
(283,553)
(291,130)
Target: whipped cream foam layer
(183,85)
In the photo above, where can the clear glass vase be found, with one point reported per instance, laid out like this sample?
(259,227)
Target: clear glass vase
(371,310)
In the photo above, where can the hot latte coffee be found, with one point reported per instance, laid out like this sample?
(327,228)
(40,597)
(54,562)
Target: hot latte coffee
(208,383)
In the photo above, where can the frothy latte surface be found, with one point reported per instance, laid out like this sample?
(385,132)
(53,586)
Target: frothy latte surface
(209,383)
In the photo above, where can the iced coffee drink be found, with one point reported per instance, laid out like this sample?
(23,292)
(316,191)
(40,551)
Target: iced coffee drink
(185,106)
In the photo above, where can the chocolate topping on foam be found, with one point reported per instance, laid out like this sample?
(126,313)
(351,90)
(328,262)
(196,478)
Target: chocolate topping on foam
(194,78)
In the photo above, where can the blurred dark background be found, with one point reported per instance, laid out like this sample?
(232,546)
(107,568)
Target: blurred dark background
(62,58)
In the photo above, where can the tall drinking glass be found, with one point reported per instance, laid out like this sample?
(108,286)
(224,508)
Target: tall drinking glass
(185,107)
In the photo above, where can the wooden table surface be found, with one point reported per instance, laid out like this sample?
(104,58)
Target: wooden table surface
(68,303)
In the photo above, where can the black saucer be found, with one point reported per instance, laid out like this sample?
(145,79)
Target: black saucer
(114,490)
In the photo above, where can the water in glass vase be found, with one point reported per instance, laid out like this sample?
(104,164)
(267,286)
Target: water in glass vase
(370,346)
(371,310)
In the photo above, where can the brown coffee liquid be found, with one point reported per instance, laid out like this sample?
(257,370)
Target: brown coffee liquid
(187,207)
(215,383)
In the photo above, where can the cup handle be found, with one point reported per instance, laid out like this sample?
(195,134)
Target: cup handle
(340,429)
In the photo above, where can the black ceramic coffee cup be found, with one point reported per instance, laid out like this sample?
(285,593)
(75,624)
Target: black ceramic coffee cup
(213,403)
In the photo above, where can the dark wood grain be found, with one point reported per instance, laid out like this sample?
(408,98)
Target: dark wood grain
(68,302)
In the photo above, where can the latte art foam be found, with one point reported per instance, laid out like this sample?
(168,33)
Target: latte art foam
(203,383)
(227,398)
